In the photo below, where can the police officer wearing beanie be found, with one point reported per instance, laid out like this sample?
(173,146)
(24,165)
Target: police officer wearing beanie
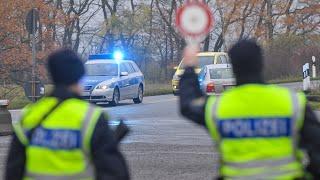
(262,131)
(62,136)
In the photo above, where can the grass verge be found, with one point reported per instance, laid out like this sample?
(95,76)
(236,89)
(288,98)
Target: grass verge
(15,94)
(289,80)
(18,99)
(315,105)
(158,89)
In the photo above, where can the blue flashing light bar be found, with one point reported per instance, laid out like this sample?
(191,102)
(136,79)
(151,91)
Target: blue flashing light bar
(101,56)
(118,55)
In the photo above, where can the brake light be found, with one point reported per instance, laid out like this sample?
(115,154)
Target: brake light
(210,88)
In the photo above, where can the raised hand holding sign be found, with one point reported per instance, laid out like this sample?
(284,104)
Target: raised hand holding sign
(194,20)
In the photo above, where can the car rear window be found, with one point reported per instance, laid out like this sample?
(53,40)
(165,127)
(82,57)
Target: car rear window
(221,73)
(203,61)
(222,59)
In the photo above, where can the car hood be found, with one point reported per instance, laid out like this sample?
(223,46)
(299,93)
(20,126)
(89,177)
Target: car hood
(95,80)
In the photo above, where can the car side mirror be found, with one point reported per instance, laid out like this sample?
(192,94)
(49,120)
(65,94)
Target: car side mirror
(175,68)
(124,74)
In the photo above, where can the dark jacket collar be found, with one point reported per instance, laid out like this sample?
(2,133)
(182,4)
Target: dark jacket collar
(63,93)
(250,79)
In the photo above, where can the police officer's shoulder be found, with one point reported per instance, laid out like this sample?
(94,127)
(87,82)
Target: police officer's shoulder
(32,111)
(77,105)
(281,88)
(302,98)
(301,95)
(277,87)
(45,101)
(97,108)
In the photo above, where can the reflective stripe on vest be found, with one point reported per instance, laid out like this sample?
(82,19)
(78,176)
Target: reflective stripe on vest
(267,175)
(286,167)
(88,175)
(262,163)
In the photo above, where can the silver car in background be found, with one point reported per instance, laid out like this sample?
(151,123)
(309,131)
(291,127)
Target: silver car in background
(216,78)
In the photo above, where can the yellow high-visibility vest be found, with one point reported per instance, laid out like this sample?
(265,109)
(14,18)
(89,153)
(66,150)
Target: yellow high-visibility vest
(256,130)
(60,147)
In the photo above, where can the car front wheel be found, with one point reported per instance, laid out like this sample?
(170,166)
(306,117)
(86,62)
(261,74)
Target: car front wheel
(139,99)
(116,97)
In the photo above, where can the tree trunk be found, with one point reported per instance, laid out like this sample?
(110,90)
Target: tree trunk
(219,43)
(269,21)
(206,43)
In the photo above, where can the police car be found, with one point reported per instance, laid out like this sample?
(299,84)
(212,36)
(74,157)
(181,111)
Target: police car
(111,79)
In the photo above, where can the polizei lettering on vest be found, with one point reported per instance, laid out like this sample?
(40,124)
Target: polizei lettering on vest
(56,138)
(255,127)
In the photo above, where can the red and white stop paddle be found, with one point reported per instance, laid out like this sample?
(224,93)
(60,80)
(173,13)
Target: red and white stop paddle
(194,20)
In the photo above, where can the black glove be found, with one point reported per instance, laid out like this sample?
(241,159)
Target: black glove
(121,131)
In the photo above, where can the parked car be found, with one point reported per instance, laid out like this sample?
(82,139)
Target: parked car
(112,80)
(216,78)
(205,58)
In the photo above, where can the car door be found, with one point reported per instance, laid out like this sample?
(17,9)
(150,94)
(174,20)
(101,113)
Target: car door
(133,88)
(124,84)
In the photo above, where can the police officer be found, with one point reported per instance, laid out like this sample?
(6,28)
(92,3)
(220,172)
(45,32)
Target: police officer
(261,131)
(62,136)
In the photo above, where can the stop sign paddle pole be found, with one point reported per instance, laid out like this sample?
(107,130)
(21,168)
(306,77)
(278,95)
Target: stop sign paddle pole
(194,21)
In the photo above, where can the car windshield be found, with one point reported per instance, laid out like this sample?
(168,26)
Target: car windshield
(221,73)
(203,61)
(102,69)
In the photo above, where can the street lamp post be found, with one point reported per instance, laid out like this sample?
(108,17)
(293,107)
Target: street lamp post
(31,24)
(33,56)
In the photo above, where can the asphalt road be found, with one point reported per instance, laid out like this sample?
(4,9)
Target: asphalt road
(162,145)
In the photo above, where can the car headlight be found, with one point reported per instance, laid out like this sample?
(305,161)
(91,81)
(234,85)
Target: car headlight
(102,87)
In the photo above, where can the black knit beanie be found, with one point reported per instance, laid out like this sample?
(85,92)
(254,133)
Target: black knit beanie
(246,58)
(65,67)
